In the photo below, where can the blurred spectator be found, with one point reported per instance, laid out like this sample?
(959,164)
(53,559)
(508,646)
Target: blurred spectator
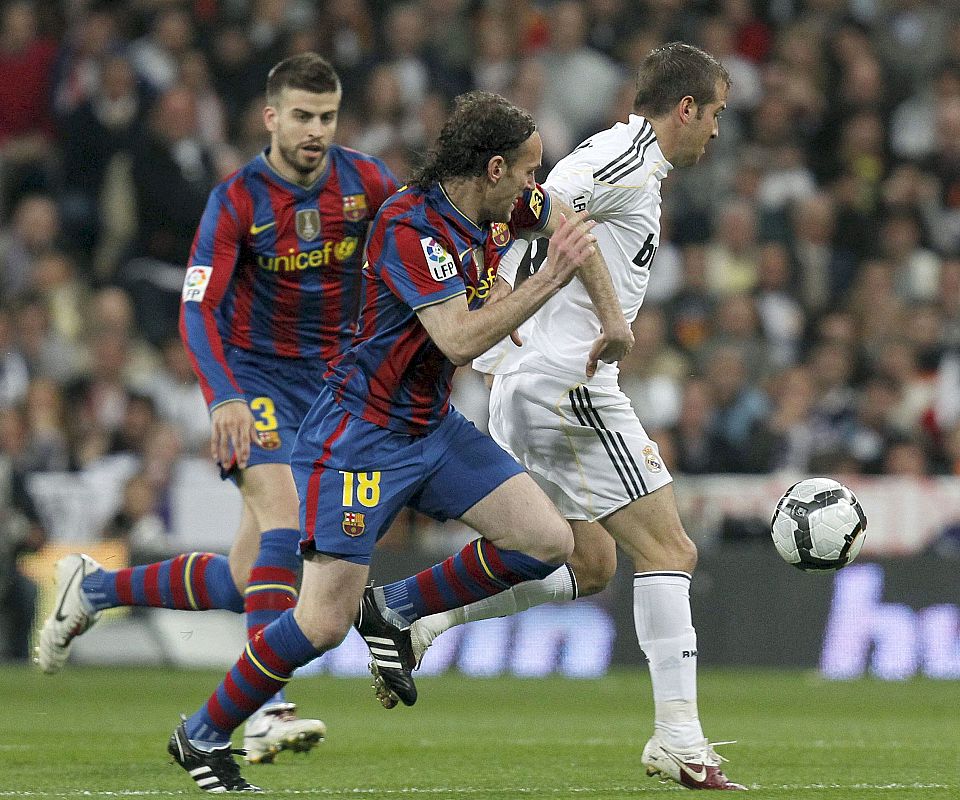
(913,122)
(785,439)
(178,398)
(697,450)
(46,448)
(14,374)
(782,317)
(739,406)
(688,313)
(917,269)
(34,229)
(825,270)
(527,90)
(652,375)
(67,298)
(581,81)
(173,171)
(48,354)
(20,532)
(494,61)
(95,132)
(137,522)
(90,39)
(26,122)
(348,39)
(911,39)
(156,55)
(732,256)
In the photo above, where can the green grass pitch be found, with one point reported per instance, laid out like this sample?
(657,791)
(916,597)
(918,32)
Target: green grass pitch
(102,733)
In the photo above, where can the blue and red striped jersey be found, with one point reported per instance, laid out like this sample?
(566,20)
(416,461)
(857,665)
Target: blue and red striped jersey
(275,268)
(421,250)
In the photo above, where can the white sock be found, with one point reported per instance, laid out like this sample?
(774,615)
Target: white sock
(558,586)
(661,613)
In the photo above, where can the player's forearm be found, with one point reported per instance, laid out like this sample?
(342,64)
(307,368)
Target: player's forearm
(477,331)
(596,280)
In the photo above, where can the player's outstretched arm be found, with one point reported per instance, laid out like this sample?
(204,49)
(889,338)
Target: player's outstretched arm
(463,334)
(616,338)
(232,430)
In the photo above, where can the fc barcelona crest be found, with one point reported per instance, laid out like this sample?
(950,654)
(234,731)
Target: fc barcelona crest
(269,440)
(353,524)
(500,233)
(354,207)
(308,224)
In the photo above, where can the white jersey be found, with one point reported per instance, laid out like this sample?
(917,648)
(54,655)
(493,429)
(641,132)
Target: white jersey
(615,175)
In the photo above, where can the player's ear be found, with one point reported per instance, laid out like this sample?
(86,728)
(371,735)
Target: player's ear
(270,115)
(496,167)
(687,108)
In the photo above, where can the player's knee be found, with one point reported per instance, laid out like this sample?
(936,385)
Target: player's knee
(555,544)
(593,570)
(323,632)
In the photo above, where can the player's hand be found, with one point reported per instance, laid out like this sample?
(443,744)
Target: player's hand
(570,246)
(233,430)
(610,346)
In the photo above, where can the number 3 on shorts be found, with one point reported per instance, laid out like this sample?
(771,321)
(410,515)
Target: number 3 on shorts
(266,413)
(367,488)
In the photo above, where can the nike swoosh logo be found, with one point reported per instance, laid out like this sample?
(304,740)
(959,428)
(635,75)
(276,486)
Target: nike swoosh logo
(698,777)
(255,229)
(57,614)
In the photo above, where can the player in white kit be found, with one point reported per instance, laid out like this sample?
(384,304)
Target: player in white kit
(579,436)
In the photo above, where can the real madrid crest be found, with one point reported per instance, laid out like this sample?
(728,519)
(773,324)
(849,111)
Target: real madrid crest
(652,460)
(308,224)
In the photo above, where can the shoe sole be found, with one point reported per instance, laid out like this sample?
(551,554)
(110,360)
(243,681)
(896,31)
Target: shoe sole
(301,743)
(387,697)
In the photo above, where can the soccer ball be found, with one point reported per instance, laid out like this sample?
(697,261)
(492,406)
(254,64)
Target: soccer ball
(818,525)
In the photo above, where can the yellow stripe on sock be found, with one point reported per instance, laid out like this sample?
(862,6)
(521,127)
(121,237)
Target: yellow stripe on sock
(188,581)
(484,563)
(277,587)
(262,668)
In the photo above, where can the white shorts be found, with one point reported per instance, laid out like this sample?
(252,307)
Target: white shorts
(582,443)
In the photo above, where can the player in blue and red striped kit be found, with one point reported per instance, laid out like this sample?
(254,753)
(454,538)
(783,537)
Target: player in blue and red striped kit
(272,294)
(383,434)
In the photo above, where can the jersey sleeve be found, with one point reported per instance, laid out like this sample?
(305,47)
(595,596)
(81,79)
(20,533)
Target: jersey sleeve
(571,183)
(510,262)
(382,187)
(213,259)
(532,210)
(416,265)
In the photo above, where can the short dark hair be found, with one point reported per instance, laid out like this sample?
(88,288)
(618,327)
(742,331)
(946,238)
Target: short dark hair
(671,72)
(307,71)
(482,125)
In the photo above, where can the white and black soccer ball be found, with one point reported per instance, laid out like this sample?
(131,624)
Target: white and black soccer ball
(818,525)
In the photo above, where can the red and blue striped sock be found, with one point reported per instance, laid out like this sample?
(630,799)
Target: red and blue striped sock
(479,570)
(272,587)
(189,582)
(262,670)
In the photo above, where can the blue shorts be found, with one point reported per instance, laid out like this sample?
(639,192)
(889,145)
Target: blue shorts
(280,392)
(354,477)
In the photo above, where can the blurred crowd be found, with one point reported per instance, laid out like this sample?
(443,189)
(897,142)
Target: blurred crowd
(804,305)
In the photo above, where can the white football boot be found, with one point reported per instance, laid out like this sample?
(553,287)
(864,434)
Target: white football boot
(277,728)
(696,768)
(71,614)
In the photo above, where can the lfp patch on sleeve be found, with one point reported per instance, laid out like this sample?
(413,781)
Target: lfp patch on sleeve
(195,283)
(441,263)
